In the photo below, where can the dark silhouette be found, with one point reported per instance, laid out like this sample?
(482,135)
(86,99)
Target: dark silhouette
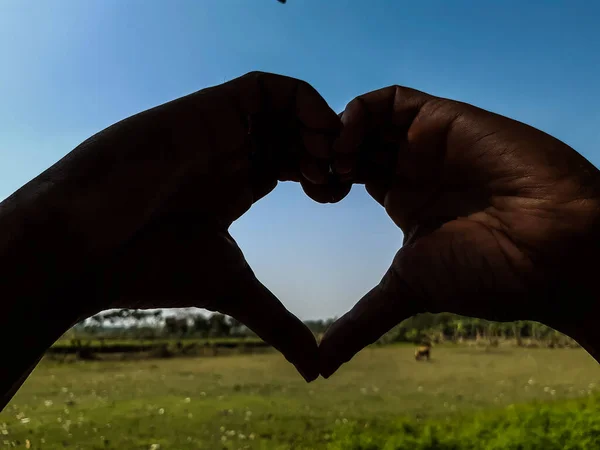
(500,220)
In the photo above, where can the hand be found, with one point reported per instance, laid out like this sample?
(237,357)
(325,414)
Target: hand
(147,203)
(263,128)
(500,220)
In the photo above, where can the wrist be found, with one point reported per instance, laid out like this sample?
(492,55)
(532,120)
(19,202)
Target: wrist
(33,324)
(574,304)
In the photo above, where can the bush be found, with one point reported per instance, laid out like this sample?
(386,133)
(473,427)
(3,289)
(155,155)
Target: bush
(162,351)
(563,426)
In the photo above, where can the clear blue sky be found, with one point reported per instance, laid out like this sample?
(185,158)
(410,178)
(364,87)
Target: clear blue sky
(70,68)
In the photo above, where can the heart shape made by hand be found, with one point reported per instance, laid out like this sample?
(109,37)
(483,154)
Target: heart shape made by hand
(489,207)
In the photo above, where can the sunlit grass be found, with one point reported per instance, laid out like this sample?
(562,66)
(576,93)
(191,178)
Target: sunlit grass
(259,401)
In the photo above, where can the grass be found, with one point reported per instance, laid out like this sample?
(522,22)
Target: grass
(260,402)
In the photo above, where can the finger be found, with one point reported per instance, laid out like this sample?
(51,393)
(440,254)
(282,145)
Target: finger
(354,121)
(378,191)
(270,92)
(314,170)
(319,124)
(255,306)
(290,175)
(282,93)
(313,111)
(290,125)
(318,144)
(375,314)
(343,163)
(375,117)
(361,116)
(377,161)
(332,192)
(261,187)
(395,106)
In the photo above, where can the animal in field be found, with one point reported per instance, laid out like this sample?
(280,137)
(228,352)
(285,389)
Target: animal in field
(423,352)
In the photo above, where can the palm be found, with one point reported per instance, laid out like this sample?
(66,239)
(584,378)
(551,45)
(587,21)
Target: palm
(489,212)
(498,217)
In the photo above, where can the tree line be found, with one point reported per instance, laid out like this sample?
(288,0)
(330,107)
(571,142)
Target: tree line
(444,327)
(194,323)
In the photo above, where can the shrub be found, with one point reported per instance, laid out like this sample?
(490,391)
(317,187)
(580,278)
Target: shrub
(559,426)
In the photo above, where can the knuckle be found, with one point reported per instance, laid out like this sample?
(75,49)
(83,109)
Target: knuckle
(356,103)
(254,74)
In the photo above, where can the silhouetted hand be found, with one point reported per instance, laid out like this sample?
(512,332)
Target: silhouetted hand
(500,220)
(138,215)
(255,130)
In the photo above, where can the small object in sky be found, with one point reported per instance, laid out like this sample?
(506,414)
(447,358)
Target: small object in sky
(282,1)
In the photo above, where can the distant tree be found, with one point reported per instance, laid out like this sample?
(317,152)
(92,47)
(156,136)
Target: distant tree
(201,325)
(459,329)
(478,328)
(171,325)
(505,329)
(535,330)
(237,328)
(219,325)
(176,326)
(413,335)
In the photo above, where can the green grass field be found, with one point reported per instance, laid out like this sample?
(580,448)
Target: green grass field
(378,400)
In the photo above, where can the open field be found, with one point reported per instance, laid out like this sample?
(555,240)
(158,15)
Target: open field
(260,402)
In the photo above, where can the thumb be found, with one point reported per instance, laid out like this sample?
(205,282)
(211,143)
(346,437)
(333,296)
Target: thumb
(250,302)
(382,308)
